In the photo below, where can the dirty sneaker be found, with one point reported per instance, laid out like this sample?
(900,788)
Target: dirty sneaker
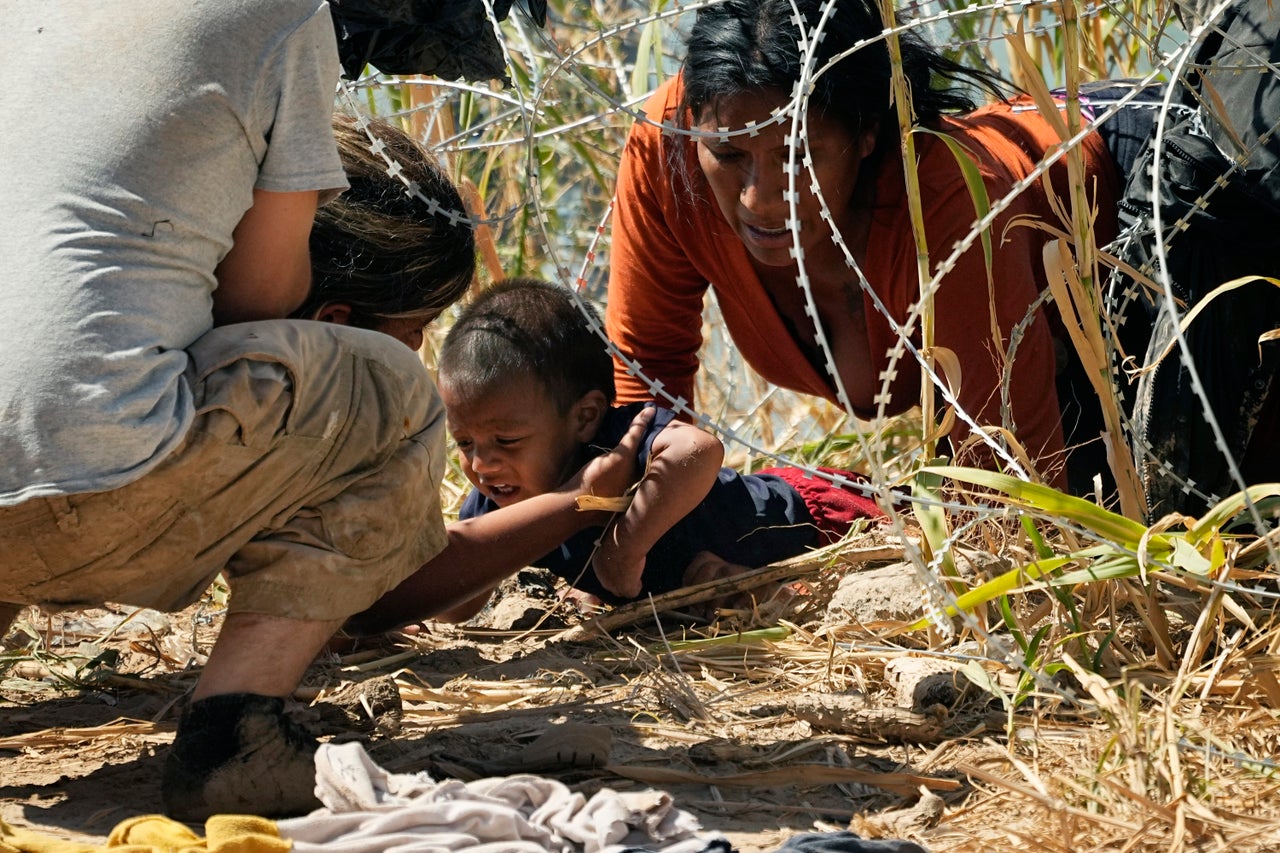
(239,754)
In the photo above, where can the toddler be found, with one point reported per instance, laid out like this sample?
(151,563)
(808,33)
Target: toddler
(528,390)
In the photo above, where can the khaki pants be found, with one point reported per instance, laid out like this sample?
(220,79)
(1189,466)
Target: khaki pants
(311,476)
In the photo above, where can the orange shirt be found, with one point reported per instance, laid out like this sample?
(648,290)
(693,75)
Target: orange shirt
(670,243)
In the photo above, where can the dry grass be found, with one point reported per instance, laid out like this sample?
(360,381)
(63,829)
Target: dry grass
(1145,757)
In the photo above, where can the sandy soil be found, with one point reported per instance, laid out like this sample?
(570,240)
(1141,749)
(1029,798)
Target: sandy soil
(760,738)
(88,709)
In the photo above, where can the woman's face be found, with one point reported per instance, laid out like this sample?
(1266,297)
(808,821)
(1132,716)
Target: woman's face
(747,174)
(409,331)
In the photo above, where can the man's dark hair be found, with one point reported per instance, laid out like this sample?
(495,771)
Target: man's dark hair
(524,328)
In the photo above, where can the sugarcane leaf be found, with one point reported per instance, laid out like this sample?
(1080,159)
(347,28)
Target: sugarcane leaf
(1109,525)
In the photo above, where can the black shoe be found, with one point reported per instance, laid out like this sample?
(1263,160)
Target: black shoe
(239,753)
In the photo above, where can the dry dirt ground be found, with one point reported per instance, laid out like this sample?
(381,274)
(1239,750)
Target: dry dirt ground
(88,707)
(803,727)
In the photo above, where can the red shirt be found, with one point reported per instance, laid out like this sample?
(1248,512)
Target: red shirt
(670,242)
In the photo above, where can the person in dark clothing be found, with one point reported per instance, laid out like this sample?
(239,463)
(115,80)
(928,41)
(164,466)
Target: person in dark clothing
(528,390)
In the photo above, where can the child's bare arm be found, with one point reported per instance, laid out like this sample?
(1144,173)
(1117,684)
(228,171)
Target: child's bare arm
(467,609)
(481,551)
(683,464)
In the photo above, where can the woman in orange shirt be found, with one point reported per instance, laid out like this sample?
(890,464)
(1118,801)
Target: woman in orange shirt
(708,206)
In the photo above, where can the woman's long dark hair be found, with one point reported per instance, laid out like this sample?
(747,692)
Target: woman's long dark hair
(746,46)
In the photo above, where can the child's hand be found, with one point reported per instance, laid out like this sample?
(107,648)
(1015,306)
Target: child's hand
(706,567)
(584,602)
(615,571)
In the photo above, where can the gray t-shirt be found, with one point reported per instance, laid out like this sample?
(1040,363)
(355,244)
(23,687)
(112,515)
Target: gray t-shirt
(134,134)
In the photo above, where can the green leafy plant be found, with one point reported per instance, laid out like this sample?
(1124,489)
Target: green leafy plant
(1183,547)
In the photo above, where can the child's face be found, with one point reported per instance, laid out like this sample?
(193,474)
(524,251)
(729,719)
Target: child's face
(513,440)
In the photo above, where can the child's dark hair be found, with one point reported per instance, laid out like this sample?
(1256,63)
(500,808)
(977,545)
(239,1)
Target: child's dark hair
(386,253)
(526,327)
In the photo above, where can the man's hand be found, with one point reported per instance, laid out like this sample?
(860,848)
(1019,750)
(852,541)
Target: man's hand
(485,549)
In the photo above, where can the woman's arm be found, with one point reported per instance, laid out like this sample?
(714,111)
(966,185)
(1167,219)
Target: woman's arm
(653,313)
(974,307)
(683,465)
(481,551)
(267,273)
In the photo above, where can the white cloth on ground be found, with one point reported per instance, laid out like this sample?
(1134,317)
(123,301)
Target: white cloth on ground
(368,810)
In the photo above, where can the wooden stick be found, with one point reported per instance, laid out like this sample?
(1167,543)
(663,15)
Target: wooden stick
(791,569)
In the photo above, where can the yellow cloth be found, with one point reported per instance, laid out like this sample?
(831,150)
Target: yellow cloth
(159,834)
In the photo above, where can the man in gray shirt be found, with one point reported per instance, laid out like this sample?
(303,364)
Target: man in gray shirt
(160,423)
